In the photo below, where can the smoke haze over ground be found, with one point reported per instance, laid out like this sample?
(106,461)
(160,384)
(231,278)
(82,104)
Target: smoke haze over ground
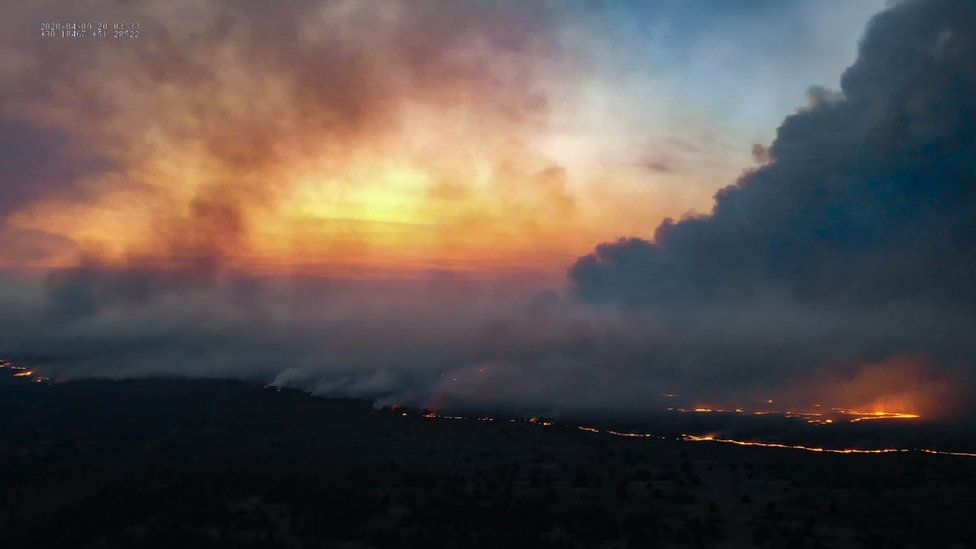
(840,270)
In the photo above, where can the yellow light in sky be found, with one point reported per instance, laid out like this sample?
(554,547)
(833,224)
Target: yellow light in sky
(382,193)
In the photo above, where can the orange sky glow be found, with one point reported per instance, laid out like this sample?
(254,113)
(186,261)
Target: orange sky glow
(359,145)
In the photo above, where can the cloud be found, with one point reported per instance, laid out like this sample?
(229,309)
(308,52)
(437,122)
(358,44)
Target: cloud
(378,339)
(846,255)
(658,166)
(37,162)
(858,234)
(33,249)
(207,139)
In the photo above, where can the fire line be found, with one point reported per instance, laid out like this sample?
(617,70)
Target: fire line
(718,440)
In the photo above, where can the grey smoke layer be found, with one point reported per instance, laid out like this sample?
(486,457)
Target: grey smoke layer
(852,249)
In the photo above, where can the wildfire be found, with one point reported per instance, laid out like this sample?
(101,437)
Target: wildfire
(435,415)
(720,440)
(709,438)
(812,417)
(944,453)
(850,415)
(21,371)
(866,416)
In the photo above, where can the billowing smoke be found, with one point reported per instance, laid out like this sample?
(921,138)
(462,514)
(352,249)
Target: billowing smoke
(843,264)
(253,134)
(853,244)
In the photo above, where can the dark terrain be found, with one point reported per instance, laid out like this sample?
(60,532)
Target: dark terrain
(209,463)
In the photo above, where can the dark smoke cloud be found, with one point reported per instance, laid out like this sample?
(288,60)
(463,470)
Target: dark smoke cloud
(855,242)
(870,197)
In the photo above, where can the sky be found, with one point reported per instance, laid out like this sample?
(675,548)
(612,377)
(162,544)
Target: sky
(391,138)
(549,206)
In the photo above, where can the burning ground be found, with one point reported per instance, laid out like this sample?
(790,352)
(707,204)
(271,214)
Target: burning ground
(211,463)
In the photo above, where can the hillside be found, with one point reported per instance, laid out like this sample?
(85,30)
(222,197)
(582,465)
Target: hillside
(212,463)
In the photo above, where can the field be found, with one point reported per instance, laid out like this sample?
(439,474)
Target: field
(213,463)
